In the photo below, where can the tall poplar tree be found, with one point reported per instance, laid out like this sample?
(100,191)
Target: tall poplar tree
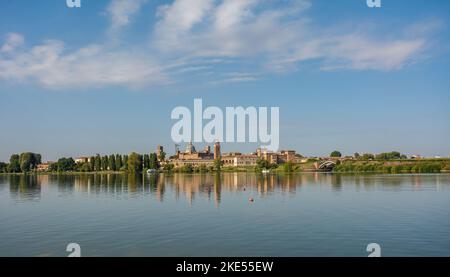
(112,162)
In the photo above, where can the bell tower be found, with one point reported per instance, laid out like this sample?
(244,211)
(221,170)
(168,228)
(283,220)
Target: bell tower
(217,154)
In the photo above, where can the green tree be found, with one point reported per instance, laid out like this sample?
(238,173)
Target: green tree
(118,162)
(3,167)
(368,156)
(218,164)
(66,164)
(98,163)
(112,162)
(202,168)
(53,167)
(125,162)
(357,155)
(104,162)
(92,163)
(162,156)
(169,167)
(336,154)
(262,164)
(288,167)
(394,155)
(14,164)
(85,167)
(135,163)
(26,160)
(29,161)
(153,162)
(187,168)
(146,161)
(37,158)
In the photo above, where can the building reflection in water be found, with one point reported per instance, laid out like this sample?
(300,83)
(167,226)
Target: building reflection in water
(211,186)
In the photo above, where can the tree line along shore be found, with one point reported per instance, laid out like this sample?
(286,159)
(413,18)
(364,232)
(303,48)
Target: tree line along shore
(388,163)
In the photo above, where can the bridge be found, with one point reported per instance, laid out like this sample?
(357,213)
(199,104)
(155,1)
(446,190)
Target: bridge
(325,165)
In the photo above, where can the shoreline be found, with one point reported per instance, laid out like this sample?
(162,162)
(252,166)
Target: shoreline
(426,166)
(280,173)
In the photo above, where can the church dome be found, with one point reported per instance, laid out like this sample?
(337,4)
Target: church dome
(190,148)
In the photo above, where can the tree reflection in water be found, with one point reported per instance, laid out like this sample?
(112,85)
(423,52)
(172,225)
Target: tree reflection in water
(190,186)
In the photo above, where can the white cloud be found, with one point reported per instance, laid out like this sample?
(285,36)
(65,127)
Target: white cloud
(355,52)
(281,37)
(121,11)
(183,14)
(360,53)
(90,66)
(235,77)
(212,38)
(177,19)
(232,13)
(12,42)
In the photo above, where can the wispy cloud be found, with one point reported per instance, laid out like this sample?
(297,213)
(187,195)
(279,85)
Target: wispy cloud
(121,11)
(280,37)
(12,42)
(177,19)
(235,77)
(52,66)
(212,36)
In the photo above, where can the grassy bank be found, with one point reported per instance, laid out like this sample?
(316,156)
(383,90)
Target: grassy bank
(394,167)
(351,166)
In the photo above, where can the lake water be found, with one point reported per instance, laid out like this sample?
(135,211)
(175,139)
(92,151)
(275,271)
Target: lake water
(310,214)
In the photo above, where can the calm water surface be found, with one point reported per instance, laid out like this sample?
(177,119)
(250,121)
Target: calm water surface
(211,215)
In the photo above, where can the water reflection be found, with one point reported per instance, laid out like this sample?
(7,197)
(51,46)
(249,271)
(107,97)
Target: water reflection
(25,187)
(313,214)
(190,186)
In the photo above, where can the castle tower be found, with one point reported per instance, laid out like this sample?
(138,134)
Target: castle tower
(159,150)
(217,154)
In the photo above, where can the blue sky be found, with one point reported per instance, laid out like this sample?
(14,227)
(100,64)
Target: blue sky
(104,78)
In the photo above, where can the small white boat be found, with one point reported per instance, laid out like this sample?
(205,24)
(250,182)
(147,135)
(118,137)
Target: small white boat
(265,171)
(152,171)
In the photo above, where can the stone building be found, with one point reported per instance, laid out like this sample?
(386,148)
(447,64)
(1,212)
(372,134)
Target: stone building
(281,157)
(235,159)
(191,157)
(239,160)
(80,160)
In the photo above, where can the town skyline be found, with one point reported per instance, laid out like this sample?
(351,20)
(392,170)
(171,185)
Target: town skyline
(213,159)
(206,147)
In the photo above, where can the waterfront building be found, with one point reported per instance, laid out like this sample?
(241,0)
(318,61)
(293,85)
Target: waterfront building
(81,160)
(246,160)
(281,157)
(193,158)
(44,166)
(234,159)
